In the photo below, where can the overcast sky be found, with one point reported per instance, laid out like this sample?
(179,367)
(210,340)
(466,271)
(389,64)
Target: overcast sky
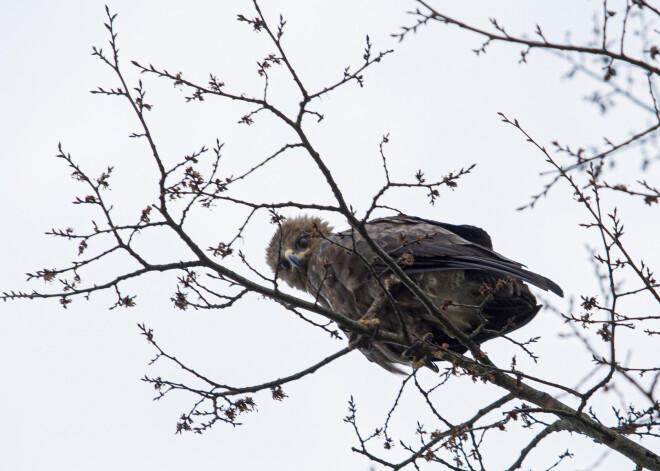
(70,391)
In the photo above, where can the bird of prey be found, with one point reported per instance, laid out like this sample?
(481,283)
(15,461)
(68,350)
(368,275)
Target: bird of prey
(478,290)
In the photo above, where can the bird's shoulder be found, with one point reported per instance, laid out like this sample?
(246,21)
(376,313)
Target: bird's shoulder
(445,233)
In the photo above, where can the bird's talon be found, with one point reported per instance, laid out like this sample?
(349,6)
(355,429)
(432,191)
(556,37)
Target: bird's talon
(375,332)
(362,342)
(428,362)
(353,340)
(407,352)
(418,363)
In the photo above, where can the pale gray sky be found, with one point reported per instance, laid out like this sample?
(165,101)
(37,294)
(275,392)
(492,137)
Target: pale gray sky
(70,394)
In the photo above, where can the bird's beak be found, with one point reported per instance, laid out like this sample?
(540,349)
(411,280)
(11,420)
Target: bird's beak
(294,258)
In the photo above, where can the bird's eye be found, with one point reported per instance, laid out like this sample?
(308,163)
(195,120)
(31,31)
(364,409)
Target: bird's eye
(303,242)
(285,264)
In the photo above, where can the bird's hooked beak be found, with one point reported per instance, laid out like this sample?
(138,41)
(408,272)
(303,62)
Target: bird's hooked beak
(294,257)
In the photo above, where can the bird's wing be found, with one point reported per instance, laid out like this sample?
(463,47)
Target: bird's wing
(473,234)
(426,246)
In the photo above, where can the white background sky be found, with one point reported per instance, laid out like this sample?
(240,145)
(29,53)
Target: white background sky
(70,391)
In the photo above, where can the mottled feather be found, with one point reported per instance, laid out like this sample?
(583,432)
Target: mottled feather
(454,265)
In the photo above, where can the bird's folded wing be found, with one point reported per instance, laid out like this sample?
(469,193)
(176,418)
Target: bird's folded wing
(425,246)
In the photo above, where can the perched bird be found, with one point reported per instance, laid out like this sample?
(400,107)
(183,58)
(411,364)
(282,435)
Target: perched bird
(476,288)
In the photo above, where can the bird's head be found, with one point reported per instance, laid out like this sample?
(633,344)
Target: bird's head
(292,245)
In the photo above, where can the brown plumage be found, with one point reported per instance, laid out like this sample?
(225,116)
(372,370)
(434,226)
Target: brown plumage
(454,265)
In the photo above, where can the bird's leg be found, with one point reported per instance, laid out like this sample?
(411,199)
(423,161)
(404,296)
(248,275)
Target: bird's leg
(423,359)
(369,318)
